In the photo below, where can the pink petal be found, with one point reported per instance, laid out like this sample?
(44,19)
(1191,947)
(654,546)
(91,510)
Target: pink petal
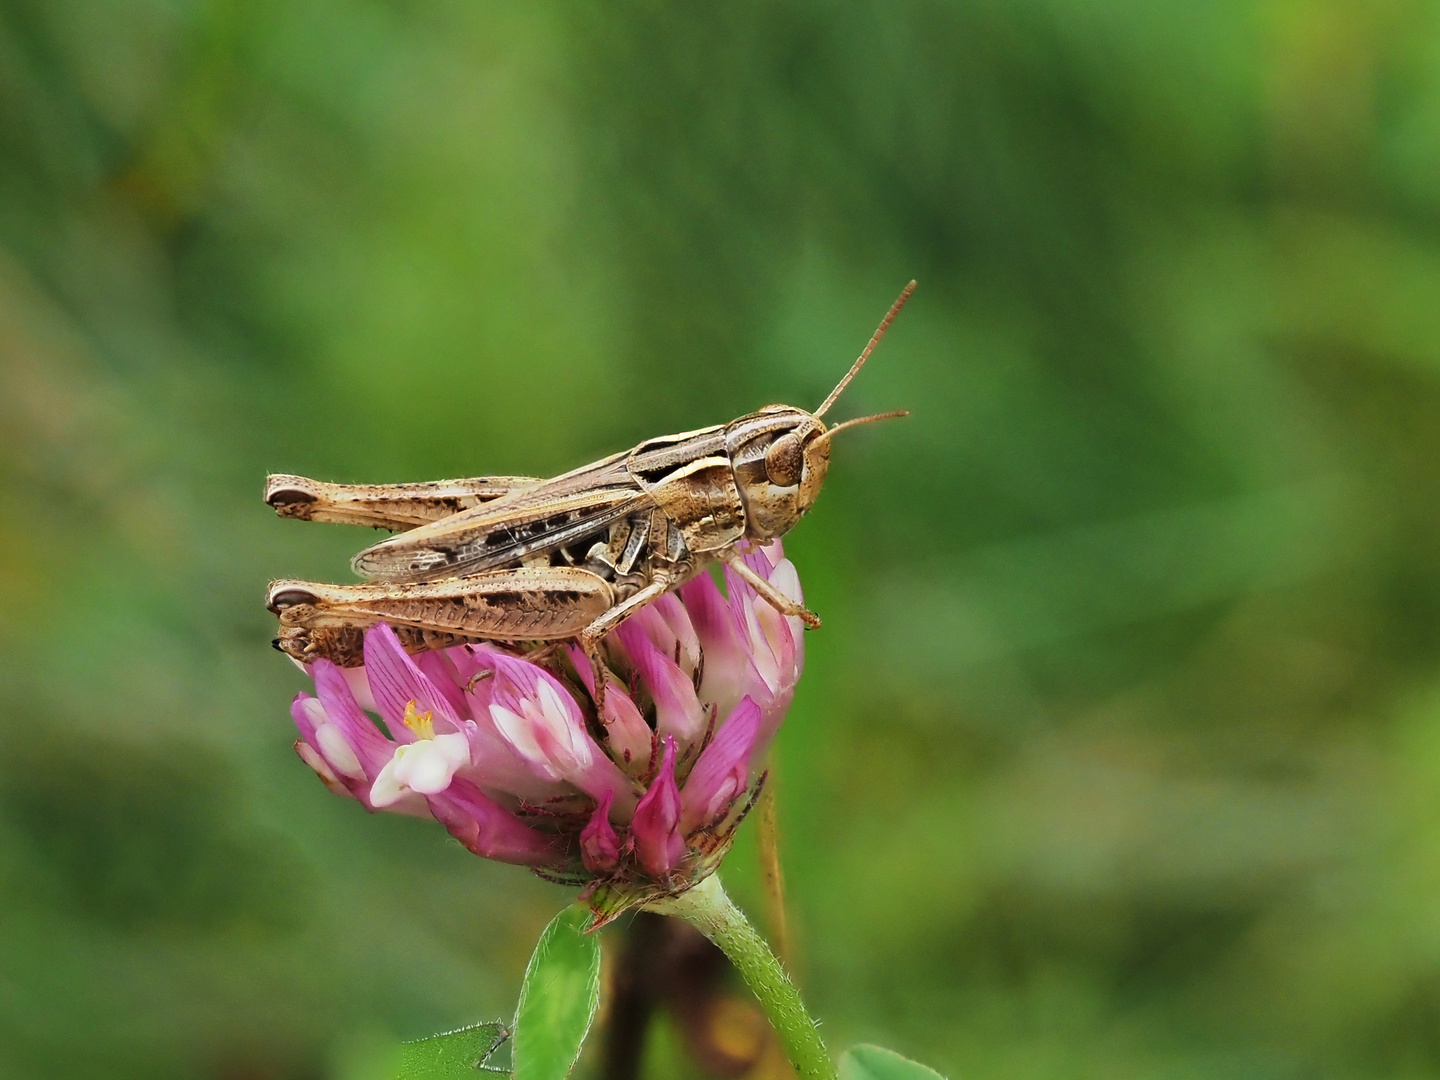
(599,846)
(670,608)
(329,761)
(602,779)
(396,681)
(737,588)
(772,715)
(768,639)
(758,559)
(677,709)
(359,685)
(436,667)
(582,668)
(301,715)
(667,625)
(316,761)
(785,578)
(561,748)
(629,737)
(516,680)
(762,674)
(470,660)
(370,746)
(497,768)
(540,719)
(722,773)
(728,672)
(659,845)
(709,613)
(490,831)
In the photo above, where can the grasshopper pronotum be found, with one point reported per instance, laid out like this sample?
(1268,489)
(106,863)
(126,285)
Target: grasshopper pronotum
(520,559)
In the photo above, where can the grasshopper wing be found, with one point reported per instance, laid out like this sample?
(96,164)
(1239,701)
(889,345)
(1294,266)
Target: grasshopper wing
(557,514)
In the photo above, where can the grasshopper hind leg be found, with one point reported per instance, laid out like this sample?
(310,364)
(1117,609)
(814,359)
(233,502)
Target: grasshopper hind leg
(398,507)
(523,604)
(344,646)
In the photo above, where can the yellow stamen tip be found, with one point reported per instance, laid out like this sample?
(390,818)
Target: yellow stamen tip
(422,724)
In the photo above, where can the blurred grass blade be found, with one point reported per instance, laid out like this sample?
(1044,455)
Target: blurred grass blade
(558,999)
(867,1062)
(453,1055)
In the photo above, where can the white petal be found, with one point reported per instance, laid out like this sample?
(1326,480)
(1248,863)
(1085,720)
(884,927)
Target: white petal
(785,578)
(762,655)
(455,747)
(772,625)
(338,752)
(388,788)
(552,708)
(316,761)
(315,712)
(431,763)
(519,732)
(561,724)
(427,774)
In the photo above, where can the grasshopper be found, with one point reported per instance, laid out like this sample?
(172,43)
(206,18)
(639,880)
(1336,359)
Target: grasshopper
(526,560)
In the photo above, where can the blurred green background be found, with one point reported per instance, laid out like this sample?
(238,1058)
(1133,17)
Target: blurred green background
(1119,752)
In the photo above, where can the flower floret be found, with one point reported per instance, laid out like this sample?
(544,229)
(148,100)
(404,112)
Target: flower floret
(512,755)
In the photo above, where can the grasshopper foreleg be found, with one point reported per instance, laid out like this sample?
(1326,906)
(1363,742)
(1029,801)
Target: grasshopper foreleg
(589,639)
(772,596)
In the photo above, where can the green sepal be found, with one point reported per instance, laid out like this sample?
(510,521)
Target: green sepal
(558,999)
(453,1055)
(867,1062)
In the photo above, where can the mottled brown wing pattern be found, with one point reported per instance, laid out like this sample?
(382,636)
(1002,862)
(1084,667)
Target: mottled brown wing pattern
(501,534)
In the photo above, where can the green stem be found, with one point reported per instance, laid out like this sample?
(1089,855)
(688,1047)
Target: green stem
(709,910)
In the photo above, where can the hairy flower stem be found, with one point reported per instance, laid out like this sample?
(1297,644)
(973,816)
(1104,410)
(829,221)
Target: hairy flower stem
(709,910)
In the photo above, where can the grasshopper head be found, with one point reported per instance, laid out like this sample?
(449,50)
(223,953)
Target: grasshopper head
(780,459)
(780,462)
(781,454)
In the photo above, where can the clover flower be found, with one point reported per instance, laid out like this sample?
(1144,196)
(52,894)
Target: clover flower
(637,799)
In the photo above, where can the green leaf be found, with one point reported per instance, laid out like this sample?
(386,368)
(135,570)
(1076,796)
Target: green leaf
(455,1055)
(866,1062)
(559,998)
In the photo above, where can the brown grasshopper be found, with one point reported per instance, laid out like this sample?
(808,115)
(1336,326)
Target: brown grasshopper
(521,559)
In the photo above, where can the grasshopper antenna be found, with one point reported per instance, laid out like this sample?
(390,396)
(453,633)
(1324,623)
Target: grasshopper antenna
(857,422)
(874,340)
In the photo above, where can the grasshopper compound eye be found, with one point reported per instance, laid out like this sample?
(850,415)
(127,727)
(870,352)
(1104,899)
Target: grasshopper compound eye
(785,461)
